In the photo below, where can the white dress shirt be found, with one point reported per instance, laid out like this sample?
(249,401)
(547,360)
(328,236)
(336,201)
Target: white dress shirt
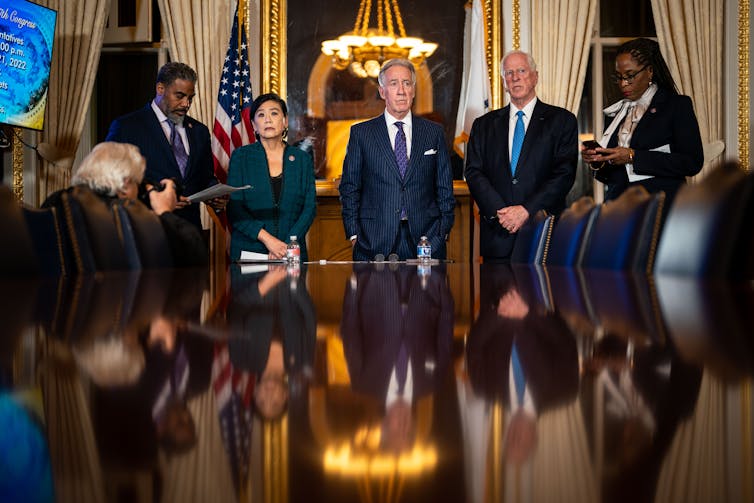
(392,130)
(528,111)
(166,127)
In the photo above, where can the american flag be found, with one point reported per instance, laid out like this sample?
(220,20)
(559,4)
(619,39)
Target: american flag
(232,120)
(233,394)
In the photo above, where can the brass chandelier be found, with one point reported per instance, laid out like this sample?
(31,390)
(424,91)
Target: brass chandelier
(364,49)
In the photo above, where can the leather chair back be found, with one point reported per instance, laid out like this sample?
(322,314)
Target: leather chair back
(571,233)
(47,236)
(150,238)
(533,240)
(625,233)
(706,225)
(97,246)
(126,233)
(17,257)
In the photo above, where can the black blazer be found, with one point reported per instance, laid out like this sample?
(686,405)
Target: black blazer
(141,128)
(545,173)
(546,347)
(372,192)
(669,120)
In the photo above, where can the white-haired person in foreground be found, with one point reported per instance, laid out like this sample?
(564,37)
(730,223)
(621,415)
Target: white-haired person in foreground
(116,171)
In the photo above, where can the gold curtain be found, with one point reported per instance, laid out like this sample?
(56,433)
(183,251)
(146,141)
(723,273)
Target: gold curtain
(692,43)
(204,472)
(70,434)
(695,467)
(562,457)
(198,33)
(561,35)
(75,58)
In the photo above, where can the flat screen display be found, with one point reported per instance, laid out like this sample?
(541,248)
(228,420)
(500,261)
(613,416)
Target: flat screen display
(27,32)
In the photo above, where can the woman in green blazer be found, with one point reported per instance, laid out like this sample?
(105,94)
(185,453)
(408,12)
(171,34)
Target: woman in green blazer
(282,200)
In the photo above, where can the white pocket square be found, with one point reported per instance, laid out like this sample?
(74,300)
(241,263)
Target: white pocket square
(430,152)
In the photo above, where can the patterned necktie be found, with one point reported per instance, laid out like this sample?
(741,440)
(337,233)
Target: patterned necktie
(179,151)
(401,154)
(518,375)
(401,368)
(518,140)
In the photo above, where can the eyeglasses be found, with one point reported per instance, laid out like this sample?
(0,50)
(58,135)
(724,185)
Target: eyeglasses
(617,78)
(508,74)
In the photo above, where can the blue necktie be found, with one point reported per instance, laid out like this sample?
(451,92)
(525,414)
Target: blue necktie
(401,153)
(518,140)
(518,375)
(179,151)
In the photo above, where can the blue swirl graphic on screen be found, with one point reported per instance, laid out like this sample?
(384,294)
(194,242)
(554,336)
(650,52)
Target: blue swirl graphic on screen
(25,465)
(27,33)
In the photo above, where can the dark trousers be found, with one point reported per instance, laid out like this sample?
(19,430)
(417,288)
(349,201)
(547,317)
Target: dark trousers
(404,246)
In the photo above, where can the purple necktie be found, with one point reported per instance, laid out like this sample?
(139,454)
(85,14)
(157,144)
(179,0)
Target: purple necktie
(179,151)
(401,368)
(401,153)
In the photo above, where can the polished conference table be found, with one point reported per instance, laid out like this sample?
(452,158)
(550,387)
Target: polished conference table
(376,382)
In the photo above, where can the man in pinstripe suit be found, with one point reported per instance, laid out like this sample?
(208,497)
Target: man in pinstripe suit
(397,184)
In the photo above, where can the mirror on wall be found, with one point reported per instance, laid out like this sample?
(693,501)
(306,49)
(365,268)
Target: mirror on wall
(323,101)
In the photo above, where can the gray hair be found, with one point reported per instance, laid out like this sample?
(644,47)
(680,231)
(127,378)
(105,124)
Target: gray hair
(529,60)
(109,166)
(170,72)
(396,62)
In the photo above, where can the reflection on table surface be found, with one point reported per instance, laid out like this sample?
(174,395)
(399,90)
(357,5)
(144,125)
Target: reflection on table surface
(376,382)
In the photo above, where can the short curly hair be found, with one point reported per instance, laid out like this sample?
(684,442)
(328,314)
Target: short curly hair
(109,166)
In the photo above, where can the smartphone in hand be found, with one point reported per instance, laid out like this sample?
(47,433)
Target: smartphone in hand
(591,144)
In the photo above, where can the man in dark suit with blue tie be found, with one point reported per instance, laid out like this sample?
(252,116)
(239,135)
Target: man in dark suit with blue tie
(397,184)
(519,159)
(174,145)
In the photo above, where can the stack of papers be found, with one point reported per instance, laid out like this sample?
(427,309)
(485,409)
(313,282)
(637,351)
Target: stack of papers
(218,190)
(248,256)
(252,262)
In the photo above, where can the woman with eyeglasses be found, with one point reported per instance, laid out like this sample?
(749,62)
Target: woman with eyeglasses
(653,138)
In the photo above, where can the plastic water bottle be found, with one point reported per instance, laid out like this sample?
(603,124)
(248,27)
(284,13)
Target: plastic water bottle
(424,250)
(293,251)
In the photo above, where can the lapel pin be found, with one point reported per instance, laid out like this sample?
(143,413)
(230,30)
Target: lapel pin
(652,110)
(291,158)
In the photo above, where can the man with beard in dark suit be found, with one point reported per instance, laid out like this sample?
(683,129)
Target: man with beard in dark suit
(175,145)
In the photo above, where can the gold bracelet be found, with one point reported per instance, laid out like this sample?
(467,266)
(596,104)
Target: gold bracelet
(630,156)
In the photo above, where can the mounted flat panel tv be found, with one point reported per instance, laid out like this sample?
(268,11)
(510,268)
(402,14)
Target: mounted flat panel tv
(27,32)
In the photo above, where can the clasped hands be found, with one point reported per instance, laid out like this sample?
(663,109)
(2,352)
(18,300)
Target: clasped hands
(599,156)
(512,218)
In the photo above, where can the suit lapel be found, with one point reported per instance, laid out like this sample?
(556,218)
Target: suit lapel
(385,149)
(505,118)
(646,123)
(164,143)
(533,132)
(418,142)
(189,125)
